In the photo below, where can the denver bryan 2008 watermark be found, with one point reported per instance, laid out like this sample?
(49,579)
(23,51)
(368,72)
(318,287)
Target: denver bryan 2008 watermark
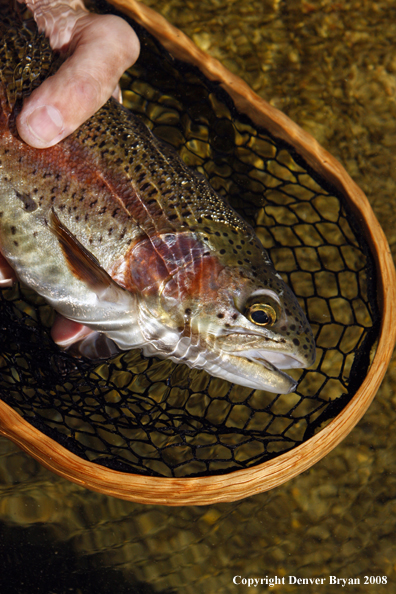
(318,581)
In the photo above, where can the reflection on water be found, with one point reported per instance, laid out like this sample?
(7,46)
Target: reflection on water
(331,67)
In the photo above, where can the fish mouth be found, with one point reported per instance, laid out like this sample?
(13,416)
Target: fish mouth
(278,360)
(255,372)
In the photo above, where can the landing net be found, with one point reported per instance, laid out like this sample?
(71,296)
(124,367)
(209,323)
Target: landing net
(152,417)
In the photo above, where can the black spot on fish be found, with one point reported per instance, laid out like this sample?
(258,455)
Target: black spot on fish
(13,230)
(28,203)
(296,341)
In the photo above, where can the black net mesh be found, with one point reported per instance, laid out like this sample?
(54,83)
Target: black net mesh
(153,417)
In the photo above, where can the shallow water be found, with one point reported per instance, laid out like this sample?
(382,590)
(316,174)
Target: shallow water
(331,67)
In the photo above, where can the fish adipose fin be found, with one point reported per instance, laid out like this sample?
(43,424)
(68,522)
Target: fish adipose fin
(81,262)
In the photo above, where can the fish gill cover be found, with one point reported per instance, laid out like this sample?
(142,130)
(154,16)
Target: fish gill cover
(147,416)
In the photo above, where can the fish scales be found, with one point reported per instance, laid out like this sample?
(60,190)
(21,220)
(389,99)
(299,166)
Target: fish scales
(118,234)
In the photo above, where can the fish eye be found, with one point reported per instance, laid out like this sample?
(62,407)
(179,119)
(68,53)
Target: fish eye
(261,314)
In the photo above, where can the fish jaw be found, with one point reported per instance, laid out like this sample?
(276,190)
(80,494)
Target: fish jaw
(258,374)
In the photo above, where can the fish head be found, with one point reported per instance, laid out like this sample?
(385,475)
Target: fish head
(239,323)
(260,329)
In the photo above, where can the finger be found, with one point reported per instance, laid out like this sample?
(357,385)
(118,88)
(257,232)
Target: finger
(65,332)
(7,274)
(103,47)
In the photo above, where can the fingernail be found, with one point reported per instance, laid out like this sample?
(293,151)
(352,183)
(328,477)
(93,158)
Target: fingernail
(45,123)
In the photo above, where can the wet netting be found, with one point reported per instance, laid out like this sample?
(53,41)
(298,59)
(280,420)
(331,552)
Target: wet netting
(154,417)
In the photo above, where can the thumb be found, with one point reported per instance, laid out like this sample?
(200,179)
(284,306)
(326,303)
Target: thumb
(102,47)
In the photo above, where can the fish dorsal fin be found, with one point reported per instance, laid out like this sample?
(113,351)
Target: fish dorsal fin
(81,262)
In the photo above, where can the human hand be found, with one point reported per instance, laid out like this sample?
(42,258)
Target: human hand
(100,47)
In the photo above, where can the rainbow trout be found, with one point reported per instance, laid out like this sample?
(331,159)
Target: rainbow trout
(116,233)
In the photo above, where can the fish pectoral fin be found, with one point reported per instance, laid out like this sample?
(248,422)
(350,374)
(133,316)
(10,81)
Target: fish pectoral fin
(80,261)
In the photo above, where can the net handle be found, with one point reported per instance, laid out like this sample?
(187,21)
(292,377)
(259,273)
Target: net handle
(241,483)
